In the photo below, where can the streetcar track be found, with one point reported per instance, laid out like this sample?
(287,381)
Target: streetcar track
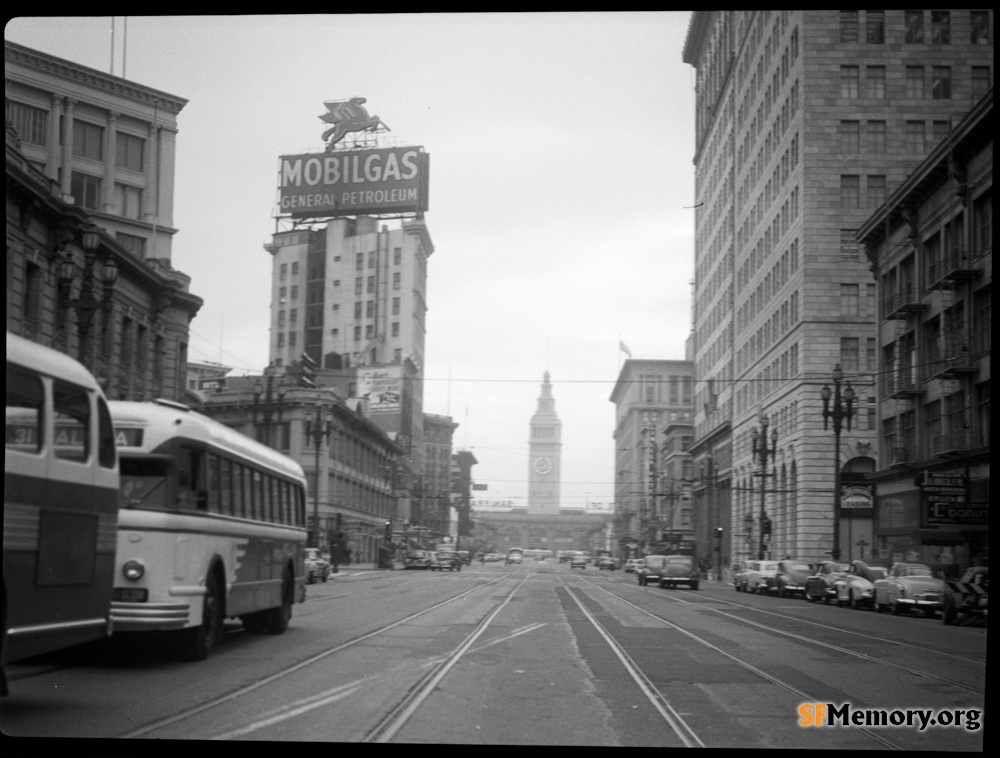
(744,664)
(240,692)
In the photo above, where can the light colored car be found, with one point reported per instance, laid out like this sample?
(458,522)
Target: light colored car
(758,576)
(632,564)
(317,567)
(740,574)
(856,587)
(909,585)
(607,563)
(578,561)
(820,586)
(418,559)
(789,579)
(678,570)
(513,558)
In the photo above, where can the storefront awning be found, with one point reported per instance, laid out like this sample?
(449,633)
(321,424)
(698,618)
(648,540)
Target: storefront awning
(939,537)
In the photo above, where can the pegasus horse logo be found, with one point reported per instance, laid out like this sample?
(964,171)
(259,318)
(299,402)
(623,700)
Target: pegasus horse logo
(347,116)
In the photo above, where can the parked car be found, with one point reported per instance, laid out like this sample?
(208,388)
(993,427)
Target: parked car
(418,559)
(465,556)
(317,567)
(651,569)
(631,565)
(757,577)
(446,559)
(909,585)
(678,570)
(820,586)
(789,579)
(740,574)
(513,558)
(578,561)
(856,587)
(966,597)
(606,563)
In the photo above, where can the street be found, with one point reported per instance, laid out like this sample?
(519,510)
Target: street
(539,654)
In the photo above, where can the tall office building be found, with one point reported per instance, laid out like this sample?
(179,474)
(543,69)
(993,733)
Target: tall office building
(805,121)
(352,295)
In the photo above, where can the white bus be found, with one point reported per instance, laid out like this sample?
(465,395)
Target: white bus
(211,525)
(60,504)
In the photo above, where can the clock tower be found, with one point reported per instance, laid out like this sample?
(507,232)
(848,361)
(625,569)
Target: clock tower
(544,455)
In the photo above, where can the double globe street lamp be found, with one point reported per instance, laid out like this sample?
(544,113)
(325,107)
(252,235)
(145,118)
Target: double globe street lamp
(762,450)
(318,427)
(838,406)
(88,302)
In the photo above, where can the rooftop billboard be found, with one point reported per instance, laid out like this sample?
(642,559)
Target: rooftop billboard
(353,182)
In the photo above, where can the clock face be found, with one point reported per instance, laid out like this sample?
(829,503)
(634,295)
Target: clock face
(543,465)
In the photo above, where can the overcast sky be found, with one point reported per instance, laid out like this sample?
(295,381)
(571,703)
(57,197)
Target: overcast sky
(561,193)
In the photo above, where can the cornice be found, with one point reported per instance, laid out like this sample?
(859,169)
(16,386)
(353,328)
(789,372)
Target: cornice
(15,54)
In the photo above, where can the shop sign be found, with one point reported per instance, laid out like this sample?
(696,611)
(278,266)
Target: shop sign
(856,496)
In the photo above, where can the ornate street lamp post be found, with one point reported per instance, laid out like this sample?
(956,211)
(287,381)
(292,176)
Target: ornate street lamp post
(841,410)
(762,450)
(88,303)
(318,428)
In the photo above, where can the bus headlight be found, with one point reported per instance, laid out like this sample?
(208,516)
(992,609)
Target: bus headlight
(133,570)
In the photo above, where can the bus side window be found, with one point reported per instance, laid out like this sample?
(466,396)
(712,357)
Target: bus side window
(191,492)
(212,484)
(226,486)
(25,411)
(71,406)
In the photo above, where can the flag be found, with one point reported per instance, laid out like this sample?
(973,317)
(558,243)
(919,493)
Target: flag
(622,346)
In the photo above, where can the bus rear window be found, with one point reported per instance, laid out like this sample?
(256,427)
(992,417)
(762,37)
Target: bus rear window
(25,401)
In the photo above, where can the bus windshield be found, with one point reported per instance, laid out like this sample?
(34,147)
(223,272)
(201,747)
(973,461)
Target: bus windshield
(143,483)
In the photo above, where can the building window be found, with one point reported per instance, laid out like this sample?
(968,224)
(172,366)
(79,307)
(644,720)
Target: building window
(980,28)
(849,26)
(359,261)
(281,339)
(395,328)
(875,131)
(133,243)
(915,138)
(281,318)
(359,285)
(875,76)
(849,300)
(876,191)
(371,283)
(982,224)
(397,256)
(370,309)
(30,123)
(981,81)
(283,271)
(295,292)
(849,81)
(939,131)
(357,334)
(850,132)
(850,192)
(849,357)
(357,309)
(129,201)
(88,140)
(397,280)
(940,27)
(293,316)
(395,306)
(129,151)
(914,27)
(941,82)
(874,27)
(915,82)
(371,259)
(293,339)
(369,331)
(86,190)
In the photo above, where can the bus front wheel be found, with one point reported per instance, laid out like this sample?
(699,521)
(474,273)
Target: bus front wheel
(200,640)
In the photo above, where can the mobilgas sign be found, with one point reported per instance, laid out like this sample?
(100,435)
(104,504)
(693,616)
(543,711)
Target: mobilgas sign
(353,182)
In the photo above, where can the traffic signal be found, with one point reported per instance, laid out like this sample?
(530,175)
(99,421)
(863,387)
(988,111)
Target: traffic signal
(388,530)
(767,527)
(340,521)
(718,534)
(307,375)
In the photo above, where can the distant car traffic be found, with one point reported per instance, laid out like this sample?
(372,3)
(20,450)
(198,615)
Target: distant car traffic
(856,587)
(606,563)
(909,585)
(789,579)
(317,567)
(678,570)
(968,596)
(578,561)
(820,585)
(418,559)
(632,565)
(514,558)
(446,559)
(465,556)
